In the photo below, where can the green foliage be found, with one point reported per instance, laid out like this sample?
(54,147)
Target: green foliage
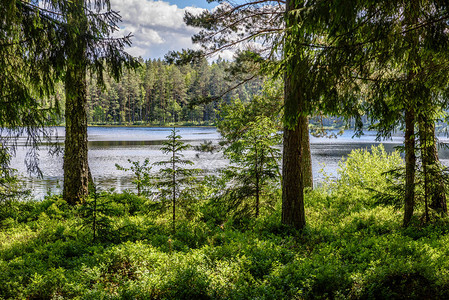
(378,177)
(370,173)
(251,142)
(142,178)
(255,159)
(95,214)
(368,169)
(32,70)
(159,94)
(348,250)
(175,182)
(351,248)
(216,209)
(11,189)
(394,192)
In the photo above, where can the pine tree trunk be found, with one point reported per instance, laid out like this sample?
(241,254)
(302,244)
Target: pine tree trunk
(410,164)
(410,12)
(292,181)
(76,168)
(174,186)
(292,172)
(306,156)
(429,153)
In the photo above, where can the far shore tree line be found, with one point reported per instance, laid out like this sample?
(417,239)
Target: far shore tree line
(383,59)
(158,93)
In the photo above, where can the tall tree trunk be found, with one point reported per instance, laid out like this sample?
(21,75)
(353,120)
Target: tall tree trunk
(76,168)
(410,164)
(292,174)
(411,11)
(174,184)
(292,182)
(429,154)
(257,172)
(306,156)
(424,144)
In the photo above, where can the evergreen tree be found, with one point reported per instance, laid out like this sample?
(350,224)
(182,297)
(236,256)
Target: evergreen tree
(253,154)
(30,68)
(392,55)
(173,179)
(148,83)
(45,43)
(88,45)
(76,168)
(265,21)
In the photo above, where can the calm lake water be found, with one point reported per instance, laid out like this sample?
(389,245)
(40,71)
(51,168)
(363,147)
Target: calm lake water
(111,145)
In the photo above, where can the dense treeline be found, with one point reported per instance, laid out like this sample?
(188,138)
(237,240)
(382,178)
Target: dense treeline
(160,93)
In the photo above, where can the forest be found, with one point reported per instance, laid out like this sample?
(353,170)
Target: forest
(158,93)
(261,227)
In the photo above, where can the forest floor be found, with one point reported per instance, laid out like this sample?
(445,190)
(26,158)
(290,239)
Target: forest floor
(351,248)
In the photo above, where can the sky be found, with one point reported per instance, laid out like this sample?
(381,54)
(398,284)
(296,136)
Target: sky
(157,26)
(197,3)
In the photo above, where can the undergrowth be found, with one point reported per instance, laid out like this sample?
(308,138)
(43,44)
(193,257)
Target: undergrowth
(352,248)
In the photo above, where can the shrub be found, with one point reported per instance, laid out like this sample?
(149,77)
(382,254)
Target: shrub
(362,175)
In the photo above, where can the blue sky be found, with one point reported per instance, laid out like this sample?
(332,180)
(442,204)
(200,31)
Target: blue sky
(157,26)
(197,3)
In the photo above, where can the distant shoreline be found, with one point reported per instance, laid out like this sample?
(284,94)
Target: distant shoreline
(143,126)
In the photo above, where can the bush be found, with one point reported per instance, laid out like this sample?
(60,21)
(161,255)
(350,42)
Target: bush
(361,177)
(351,248)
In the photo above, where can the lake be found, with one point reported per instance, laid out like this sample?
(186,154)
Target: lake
(111,145)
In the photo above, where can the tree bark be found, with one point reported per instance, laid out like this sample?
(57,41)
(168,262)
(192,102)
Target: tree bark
(433,175)
(410,12)
(424,144)
(292,182)
(292,173)
(76,168)
(410,164)
(306,156)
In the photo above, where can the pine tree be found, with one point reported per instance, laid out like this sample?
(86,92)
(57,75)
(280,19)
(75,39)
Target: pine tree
(231,24)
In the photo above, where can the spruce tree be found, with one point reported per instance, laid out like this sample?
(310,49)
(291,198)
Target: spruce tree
(29,67)
(254,156)
(52,41)
(173,178)
(394,54)
(88,46)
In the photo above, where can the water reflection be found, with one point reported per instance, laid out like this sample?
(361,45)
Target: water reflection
(108,146)
(100,144)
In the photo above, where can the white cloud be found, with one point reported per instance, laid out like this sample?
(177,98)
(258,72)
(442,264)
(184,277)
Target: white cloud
(157,27)
(137,51)
(225,54)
